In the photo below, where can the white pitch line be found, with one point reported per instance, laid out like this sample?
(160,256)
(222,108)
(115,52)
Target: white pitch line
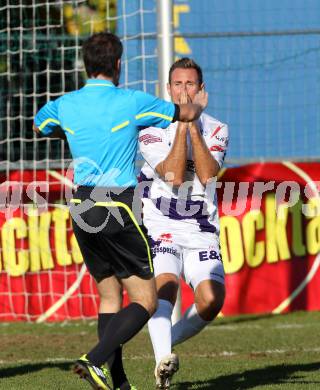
(210,328)
(194,355)
(236,328)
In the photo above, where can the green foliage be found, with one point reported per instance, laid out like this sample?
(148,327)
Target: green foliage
(93,17)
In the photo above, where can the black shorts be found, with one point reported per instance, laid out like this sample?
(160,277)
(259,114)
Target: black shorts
(110,239)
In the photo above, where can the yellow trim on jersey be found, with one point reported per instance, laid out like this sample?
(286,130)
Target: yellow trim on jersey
(131,215)
(44,124)
(69,130)
(121,126)
(157,114)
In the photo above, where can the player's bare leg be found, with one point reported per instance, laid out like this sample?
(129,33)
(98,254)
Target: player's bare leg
(142,292)
(167,287)
(209,298)
(167,363)
(110,294)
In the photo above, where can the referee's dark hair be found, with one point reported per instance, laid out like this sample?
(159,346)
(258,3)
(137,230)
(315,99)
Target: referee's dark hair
(101,53)
(186,63)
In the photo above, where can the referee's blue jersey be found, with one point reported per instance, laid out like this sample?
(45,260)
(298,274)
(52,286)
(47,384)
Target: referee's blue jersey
(101,123)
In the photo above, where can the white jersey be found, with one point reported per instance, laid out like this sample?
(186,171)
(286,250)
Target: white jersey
(192,208)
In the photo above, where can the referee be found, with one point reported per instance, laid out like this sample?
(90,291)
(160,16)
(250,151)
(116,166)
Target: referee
(101,124)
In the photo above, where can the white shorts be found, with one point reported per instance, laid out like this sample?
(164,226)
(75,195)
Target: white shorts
(194,265)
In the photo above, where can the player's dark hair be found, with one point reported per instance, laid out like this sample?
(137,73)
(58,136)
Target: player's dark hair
(101,53)
(186,63)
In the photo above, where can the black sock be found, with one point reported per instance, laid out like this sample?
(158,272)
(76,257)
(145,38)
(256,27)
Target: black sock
(118,375)
(122,327)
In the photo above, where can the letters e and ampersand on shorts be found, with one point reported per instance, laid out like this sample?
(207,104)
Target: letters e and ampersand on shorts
(183,222)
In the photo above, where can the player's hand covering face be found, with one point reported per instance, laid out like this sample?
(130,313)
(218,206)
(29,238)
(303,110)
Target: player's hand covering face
(184,81)
(201,98)
(184,98)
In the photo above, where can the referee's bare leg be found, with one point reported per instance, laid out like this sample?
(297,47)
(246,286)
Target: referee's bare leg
(128,321)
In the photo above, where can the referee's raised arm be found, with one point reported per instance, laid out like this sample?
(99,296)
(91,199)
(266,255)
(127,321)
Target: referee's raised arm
(154,112)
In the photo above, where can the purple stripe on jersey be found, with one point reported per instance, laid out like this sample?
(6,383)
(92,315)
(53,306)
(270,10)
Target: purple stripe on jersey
(145,190)
(179,210)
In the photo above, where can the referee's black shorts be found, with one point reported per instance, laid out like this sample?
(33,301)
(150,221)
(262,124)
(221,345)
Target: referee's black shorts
(110,239)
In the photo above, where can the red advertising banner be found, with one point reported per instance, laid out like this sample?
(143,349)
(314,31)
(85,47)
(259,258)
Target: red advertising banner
(269,231)
(270,237)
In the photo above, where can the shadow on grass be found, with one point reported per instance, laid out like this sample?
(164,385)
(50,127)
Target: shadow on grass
(29,368)
(244,318)
(230,320)
(271,375)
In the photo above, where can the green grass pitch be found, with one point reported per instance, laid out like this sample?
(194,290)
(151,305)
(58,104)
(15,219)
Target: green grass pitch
(247,352)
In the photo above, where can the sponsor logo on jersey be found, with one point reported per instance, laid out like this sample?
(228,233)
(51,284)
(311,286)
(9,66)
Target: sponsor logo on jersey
(216,131)
(165,237)
(216,148)
(224,140)
(164,249)
(149,139)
